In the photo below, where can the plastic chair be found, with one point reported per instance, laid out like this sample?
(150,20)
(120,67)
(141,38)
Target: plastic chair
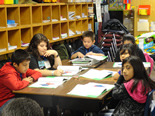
(147,109)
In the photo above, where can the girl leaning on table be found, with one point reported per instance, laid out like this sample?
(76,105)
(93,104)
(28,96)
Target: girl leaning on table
(132,88)
(126,50)
(43,57)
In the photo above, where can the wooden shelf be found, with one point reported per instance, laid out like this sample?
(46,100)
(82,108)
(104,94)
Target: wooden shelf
(38,18)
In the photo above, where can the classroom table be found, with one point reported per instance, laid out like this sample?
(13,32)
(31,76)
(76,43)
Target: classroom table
(58,97)
(47,97)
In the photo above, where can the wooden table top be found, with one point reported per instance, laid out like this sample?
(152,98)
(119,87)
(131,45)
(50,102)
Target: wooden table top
(63,89)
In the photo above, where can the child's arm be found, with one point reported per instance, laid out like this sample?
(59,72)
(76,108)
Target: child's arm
(116,76)
(34,74)
(95,54)
(57,61)
(119,92)
(13,83)
(56,57)
(29,79)
(58,72)
(77,54)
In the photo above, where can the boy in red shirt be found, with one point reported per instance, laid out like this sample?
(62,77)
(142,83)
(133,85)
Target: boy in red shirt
(15,75)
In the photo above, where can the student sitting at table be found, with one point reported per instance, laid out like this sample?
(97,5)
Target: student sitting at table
(88,47)
(15,75)
(43,57)
(132,88)
(126,50)
(128,38)
(22,107)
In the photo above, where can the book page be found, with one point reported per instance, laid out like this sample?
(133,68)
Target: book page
(117,64)
(48,82)
(84,90)
(96,57)
(70,70)
(96,74)
(90,89)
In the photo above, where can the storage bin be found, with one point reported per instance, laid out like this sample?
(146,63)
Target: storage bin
(8,1)
(1,1)
(15,1)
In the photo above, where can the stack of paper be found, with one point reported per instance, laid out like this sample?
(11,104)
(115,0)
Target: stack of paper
(91,89)
(78,32)
(71,33)
(96,74)
(55,38)
(63,35)
(70,70)
(78,17)
(71,15)
(90,12)
(88,60)
(52,82)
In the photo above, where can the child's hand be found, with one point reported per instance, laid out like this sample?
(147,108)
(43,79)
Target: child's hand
(90,53)
(29,79)
(58,72)
(80,55)
(50,52)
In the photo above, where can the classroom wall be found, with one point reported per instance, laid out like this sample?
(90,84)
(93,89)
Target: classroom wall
(150,17)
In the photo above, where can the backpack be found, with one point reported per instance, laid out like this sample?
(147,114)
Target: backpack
(114,25)
(62,51)
(7,59)
(69,48)
(149,59)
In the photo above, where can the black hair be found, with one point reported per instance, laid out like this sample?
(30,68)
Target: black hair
(129,37)
(140,74)
(89,34)
(131,49)
(33,47)
(19,56)
(35,41)
(22,107)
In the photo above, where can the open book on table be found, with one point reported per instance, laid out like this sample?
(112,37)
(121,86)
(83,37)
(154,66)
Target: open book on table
(88,60)
(96,74)
(90,89)
(70,70)
(49,82)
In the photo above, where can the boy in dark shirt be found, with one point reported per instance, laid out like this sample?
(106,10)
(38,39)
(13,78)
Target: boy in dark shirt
(88,47)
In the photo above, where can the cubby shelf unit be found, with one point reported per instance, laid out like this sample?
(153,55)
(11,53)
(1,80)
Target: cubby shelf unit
(51,19)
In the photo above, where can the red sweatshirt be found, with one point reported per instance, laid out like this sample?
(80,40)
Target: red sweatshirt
(10,80)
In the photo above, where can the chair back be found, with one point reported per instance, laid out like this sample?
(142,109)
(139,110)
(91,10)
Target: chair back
(149,109)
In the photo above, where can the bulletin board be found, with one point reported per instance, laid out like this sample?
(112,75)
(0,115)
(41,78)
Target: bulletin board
(150,17)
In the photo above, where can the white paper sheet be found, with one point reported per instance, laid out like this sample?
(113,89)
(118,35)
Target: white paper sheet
(96,74)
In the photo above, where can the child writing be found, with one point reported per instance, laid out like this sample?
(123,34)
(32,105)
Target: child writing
(43,57)
(128,38)
(132,88)
(126,50)
(88,47)
(15,75)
